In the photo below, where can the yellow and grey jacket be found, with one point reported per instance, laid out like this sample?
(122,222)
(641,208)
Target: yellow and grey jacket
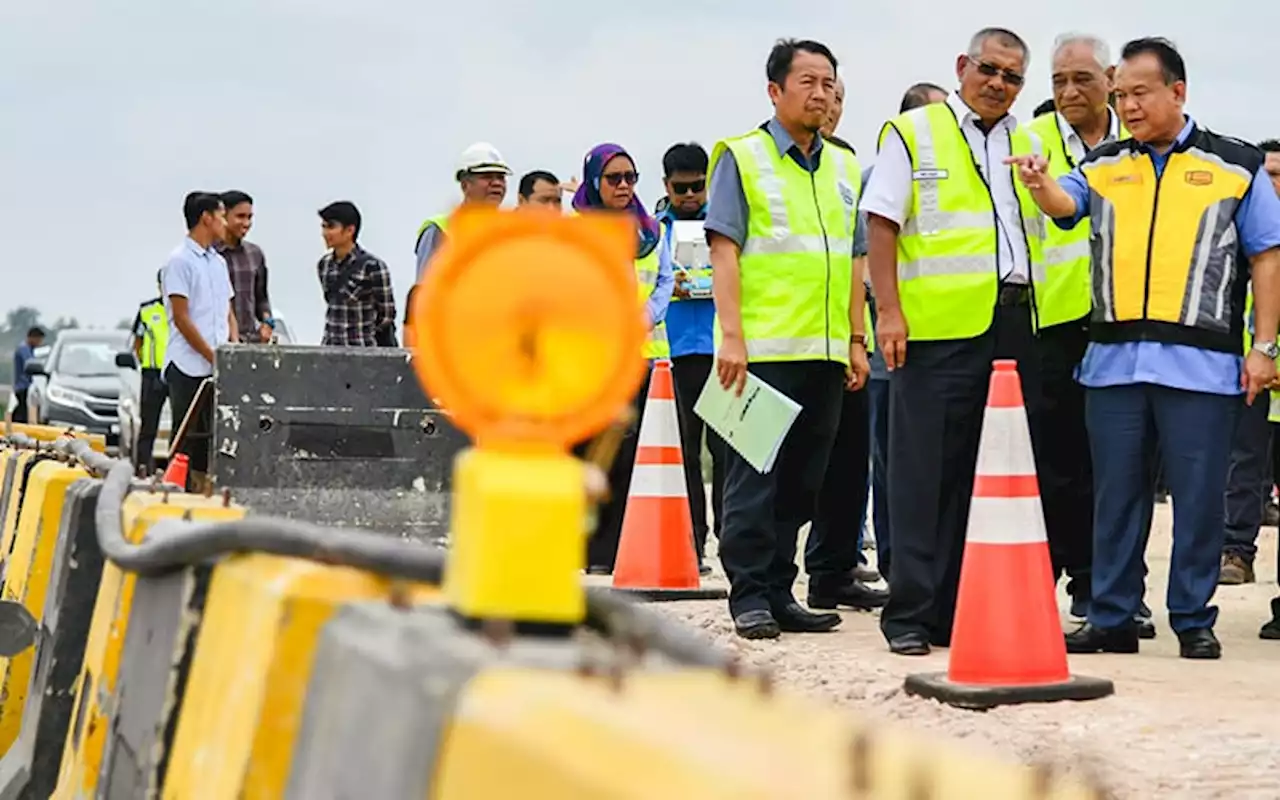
(1167,259)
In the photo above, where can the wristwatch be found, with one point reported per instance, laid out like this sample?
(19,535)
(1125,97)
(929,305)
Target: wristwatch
(1268,349)
(860,338)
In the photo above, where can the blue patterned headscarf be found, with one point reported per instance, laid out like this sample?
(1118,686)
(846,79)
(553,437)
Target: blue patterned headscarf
(587,198)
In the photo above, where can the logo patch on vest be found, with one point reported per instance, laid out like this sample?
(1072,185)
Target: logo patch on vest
(1199,177)
(929,175)
(846,194)
(1135,179)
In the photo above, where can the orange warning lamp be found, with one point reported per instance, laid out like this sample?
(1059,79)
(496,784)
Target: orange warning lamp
(527,326)
(529,332)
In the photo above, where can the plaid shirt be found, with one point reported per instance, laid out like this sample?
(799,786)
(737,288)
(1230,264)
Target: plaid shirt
(362,309)
(247,267)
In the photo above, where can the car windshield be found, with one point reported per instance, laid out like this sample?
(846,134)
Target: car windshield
(87,359)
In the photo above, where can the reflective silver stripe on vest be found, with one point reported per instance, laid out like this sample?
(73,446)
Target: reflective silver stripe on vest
(937,221)
(1065,253)
(790,348)
(647,277)
(774,188)
(940,266)
(797,245)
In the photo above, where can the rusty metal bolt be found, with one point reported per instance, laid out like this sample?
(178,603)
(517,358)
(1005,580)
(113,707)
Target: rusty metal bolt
(187,516)
(764,682)
(860,762)
(165,496)
(498,632)
(399,596)
(226,497)
(585,668)
(207,488)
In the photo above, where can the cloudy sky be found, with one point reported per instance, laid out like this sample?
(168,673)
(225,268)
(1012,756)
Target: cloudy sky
(111,110)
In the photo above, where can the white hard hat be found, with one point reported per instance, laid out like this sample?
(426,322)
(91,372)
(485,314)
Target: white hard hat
(481,157)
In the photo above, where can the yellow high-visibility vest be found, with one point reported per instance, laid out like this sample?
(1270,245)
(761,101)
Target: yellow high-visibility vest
(155,338)
(656,346)
(948,273)
(797,261)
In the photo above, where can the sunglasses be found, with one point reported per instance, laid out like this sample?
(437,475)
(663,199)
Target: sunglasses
(991,71)
(616,179)
(689,187)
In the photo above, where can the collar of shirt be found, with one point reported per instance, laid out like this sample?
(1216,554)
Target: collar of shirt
(788,145)
(965,114)
(194,246)
(668,215)
(1181,137)
(1075,145)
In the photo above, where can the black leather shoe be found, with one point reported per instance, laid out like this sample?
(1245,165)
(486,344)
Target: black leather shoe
(1199,643)
(1089,639)
(1272,629)
(758,624)
(853,594)
(704,570)
(910,644)
(1146,627)
(795,618)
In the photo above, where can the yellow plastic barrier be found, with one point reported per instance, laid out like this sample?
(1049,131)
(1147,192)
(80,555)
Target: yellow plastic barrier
(248,682)
(87,736)
(646,735)
(50,433)
(26,578)
(18,467)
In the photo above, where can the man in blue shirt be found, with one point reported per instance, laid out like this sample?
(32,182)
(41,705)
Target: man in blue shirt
(21,380)
(689,326)
(1163,371)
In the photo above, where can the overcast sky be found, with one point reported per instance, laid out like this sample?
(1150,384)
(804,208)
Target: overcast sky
(111,110)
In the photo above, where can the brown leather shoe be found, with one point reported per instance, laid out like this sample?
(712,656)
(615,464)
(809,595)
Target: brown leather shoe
(1235,570)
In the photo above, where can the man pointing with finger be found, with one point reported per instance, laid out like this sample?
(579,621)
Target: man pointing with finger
(1179,217)
(955,259)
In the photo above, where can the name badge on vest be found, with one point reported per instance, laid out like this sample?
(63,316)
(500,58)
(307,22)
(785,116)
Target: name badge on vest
(690,252)
(929,175)
(847,194)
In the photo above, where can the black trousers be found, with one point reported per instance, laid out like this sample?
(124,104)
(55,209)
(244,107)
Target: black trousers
(602,548)
(199,436)
(690,374)
(1063,461)
(20,409)
(831,553)
(936,406)
(151,403)
(763,513)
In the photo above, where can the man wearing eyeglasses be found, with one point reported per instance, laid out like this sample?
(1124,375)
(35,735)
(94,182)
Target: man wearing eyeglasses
(955,253)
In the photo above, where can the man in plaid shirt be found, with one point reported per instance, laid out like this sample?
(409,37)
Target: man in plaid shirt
(356,284)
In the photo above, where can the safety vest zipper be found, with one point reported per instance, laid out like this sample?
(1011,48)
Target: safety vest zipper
(1151,238)
(826,246)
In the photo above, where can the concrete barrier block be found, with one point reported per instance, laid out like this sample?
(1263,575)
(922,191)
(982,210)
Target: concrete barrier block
(19,469)
(244,696)
(97,700)
(28,564)
(7,470)
(382,695)
(49,433)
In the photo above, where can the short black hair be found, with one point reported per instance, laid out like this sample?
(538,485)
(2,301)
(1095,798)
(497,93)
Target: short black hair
(196,205)
(343,213)
(1165,51)
(918,95)
(1048,106)
(530,178)
(1269,145)
(35,333)
(234,198)
(778,67)
(684,157)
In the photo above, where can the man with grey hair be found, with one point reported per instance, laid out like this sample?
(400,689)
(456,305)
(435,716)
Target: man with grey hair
(955,249)
(1082,83)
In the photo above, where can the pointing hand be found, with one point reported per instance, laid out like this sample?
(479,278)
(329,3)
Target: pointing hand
(1032,169)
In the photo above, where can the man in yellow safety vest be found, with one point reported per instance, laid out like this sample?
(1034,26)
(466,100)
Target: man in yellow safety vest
(1082,83)
(150,339)
(956,261)
(482,175)
(780,223)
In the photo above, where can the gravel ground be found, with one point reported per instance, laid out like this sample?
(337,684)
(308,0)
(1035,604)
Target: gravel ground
(1173,729)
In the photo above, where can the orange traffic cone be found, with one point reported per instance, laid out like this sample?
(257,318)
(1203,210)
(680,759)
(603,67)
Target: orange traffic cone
(1006,644)
(656,559)
(175,473)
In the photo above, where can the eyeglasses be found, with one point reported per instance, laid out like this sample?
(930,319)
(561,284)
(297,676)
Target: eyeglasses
(616,179)
(991,71)
(688,187)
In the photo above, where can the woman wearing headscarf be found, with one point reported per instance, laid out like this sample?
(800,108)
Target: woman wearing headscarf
(609,178)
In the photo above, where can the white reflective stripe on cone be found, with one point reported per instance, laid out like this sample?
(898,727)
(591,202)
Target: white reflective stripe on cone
(659,427)
(658,480)
(1006,520)
(1006,443)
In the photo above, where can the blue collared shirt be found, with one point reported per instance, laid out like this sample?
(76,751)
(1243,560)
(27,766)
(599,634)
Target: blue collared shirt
(1176,366)
(660,298)
(689,321)
(200,275)
(23,354)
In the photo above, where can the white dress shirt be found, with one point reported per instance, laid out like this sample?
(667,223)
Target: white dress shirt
(888,192)
(1076,147)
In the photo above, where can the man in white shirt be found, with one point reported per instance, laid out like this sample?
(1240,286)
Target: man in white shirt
(197,296)
(951,243)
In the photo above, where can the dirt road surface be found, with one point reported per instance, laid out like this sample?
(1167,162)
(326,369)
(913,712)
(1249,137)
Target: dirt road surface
(1173,729)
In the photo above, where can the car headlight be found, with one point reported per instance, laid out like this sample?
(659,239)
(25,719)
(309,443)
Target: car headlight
(69,397)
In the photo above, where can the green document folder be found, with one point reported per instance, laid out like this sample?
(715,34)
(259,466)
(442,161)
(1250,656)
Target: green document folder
(754,424)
